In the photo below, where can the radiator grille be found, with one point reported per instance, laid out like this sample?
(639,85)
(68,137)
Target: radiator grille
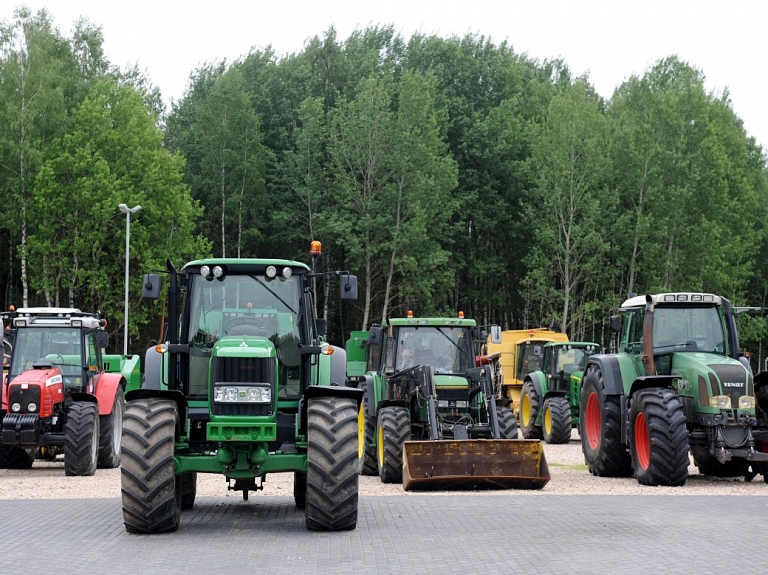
(733,381)
(244,370)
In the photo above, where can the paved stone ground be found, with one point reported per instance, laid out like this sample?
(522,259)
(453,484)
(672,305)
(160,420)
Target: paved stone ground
(548,534)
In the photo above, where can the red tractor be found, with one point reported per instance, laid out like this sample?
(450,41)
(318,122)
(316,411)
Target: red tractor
(60,394)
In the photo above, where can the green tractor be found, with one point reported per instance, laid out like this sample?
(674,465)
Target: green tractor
(677,382)
(245,386)
(429,418)
(549,400)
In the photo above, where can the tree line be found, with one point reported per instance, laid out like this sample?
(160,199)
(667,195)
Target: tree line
(446,173)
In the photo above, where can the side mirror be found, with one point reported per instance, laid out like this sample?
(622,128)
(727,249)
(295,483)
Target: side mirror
(615,324)
(102,339)
(150,289)
(375,335)
(495,334)
(348,286)
(322,327)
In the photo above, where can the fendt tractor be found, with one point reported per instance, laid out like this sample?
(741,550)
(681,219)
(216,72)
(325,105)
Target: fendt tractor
(61,394)
(677,382)
(518,353)
(244,386)
(549,403)
(430,419)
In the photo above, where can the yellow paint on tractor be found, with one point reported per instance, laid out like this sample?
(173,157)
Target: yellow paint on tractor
(474,464)
(517,357)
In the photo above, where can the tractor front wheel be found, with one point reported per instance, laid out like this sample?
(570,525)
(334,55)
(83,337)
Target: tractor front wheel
(556,423)
(393,429)
(658,438)
(529,411)
(332,464)
(81,439)
(300,489)
(111,433)
(368,465)
(151,492)
(507,423)
(188,490)
(600,428)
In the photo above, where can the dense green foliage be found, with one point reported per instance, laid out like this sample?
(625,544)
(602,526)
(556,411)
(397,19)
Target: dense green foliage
(447,173)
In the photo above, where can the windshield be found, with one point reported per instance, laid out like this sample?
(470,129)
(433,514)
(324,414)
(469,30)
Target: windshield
(243,305)
(572,359)
(445,349)
(695,329)
(61,346)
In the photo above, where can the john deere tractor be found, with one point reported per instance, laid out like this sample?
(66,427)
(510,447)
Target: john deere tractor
(430,418)
(677,382)
(244,386)
(549,402)
(61,394)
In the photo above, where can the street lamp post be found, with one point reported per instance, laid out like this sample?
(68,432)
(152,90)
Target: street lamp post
(127,211)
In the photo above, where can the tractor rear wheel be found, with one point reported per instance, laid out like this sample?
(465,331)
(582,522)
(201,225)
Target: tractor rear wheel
(507,423)
(332,464)
(14,457)
(392,431)
(600,428)
(151,492)
(81,439)
(529,410)
(300,489)
(188,490)
(556,422)
(709,465)
(368,465)
(111,433)
(658,438)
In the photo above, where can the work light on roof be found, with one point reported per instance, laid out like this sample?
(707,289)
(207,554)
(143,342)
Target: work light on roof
(271,271)
(218,271)
(287,272)
(205,271)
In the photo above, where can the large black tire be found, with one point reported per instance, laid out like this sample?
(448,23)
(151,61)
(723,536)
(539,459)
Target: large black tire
(111,433)
(188,490)
(300,489)
(507,423)
(658,438)
(81,439)
(151,492)
(556,420)
(14,457)
(332,464)
(368,464)
(393,429)
(709,465)
(530,401)
(600,428)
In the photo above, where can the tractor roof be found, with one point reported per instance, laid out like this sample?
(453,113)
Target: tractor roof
(52,317)
(431,322)
(672,298)
(244,265)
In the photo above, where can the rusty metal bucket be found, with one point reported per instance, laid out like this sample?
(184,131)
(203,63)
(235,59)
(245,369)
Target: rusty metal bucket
(464,464)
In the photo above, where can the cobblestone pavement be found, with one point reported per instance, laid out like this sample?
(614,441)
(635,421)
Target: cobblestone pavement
(548,534)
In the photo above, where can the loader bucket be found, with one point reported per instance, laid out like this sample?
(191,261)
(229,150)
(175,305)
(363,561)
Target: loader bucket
(461,464)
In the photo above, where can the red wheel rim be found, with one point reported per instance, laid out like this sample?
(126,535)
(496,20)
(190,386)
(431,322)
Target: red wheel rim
(594,421)
(642,442)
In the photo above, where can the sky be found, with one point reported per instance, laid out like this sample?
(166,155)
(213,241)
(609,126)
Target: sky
(610,40)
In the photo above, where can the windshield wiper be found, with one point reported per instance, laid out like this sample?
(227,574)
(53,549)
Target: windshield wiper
(282,301)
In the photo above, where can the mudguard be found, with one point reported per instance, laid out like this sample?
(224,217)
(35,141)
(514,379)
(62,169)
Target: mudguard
(109,385)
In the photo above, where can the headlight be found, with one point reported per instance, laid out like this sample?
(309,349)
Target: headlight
(242,394)
(746,402)
(32,407)
(451,403)
(720,402)
(16,407)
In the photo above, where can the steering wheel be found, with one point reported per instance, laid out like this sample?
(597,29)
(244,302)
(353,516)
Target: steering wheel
(248,322)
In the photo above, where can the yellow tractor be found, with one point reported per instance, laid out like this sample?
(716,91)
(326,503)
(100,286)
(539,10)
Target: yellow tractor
(519,353)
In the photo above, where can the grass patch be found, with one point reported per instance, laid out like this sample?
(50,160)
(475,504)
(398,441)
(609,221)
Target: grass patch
(571,466)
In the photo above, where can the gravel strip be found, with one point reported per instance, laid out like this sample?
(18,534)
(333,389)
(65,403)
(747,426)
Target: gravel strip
(46,480)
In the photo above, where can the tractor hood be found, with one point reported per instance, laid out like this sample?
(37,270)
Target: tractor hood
(42,377)
(709,375)
(244,346)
